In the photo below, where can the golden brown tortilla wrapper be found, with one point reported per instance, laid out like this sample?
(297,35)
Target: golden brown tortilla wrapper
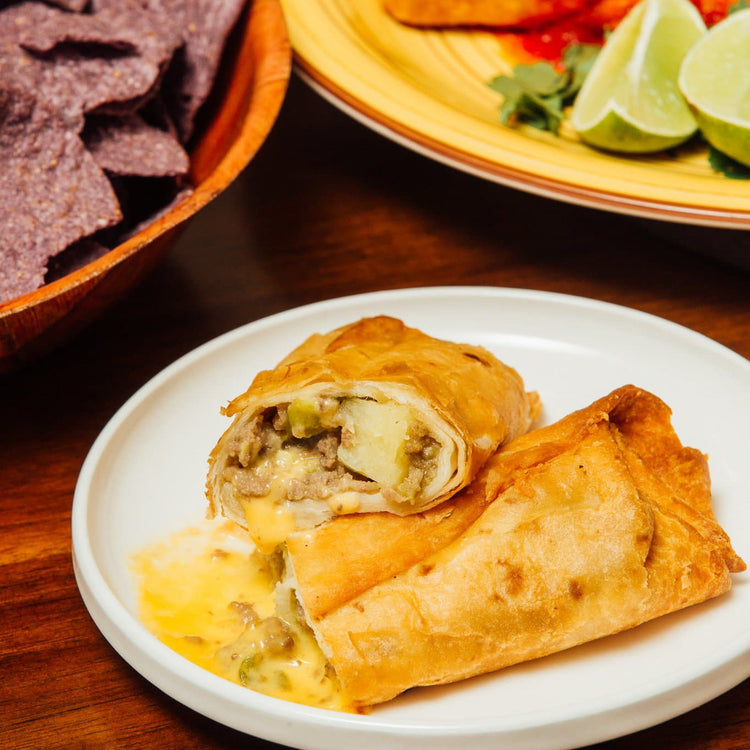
(461,392)
(572,532)
(492,13)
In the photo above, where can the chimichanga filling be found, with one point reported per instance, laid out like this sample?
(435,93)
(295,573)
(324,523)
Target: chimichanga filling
(346,452)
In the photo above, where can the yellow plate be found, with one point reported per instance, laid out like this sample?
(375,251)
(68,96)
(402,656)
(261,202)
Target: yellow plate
(428,90)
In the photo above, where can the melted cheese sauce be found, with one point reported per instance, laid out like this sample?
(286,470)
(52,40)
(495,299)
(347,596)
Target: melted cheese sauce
(269,521)
(289,463)
(208,595)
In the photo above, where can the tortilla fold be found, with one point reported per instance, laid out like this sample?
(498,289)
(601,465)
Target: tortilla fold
(572,532)
(374,416)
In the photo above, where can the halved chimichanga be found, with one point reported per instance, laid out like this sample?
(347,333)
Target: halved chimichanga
(374,416)
(571,532)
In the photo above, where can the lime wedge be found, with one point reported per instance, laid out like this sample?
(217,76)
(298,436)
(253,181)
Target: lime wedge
(630,101)
(715,79)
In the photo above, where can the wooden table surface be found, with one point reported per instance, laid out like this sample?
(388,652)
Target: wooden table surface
(327,208)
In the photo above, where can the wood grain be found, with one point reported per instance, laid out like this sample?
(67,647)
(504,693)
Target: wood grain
(327,208)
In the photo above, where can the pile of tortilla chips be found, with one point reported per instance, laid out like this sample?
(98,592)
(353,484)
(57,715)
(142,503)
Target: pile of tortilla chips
(98,99)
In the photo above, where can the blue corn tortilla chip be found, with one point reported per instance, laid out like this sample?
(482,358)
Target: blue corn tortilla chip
(52,193)
(151,31)
(205,26)
(108,61)
(39,27)
(74,82)
(130,146)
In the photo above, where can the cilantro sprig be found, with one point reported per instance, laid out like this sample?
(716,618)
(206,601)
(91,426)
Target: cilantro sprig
(537,94)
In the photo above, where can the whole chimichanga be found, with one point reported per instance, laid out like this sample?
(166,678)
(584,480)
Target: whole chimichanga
(571,532)
(373,416)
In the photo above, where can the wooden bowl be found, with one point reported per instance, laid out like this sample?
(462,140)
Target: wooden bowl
(256,83)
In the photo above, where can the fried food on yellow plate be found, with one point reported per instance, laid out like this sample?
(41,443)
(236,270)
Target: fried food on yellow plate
(528,14)
(579,530)
(507,13)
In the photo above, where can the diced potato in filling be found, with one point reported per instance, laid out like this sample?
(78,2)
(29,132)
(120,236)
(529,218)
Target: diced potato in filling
(375,440)
(320,448)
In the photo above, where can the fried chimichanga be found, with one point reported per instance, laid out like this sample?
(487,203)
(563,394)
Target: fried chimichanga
(374,416)
(572,532)
(494,13)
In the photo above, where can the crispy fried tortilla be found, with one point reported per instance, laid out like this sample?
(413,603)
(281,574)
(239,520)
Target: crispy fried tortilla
(498,13)
(374,416)
(572,532)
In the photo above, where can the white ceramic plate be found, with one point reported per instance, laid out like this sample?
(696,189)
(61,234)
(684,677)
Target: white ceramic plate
(143,479)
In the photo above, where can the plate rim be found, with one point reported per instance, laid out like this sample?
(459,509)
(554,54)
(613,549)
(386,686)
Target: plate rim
(620,720)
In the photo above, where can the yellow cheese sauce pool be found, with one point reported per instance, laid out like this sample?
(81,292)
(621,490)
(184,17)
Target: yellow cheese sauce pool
(208,595)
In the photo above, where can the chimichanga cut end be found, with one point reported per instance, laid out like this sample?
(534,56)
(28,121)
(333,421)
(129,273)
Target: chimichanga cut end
(570,533)
(373,416)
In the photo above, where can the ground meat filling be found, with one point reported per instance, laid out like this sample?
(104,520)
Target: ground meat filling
(422,450)
(267,458)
